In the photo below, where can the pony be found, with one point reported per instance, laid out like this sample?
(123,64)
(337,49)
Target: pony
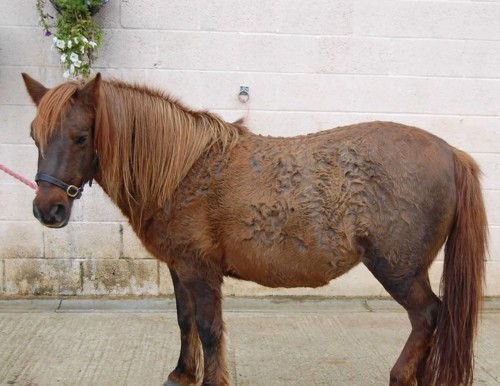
(211,199)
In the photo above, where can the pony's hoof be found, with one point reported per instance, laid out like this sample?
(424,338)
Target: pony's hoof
(170,383)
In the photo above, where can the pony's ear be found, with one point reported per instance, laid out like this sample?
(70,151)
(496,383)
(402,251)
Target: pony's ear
(35,89)
(90,92)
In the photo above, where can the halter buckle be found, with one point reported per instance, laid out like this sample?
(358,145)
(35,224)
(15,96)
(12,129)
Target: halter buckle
(72,191)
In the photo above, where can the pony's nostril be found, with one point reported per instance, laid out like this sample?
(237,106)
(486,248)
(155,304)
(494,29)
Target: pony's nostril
(37,213)
(58,213)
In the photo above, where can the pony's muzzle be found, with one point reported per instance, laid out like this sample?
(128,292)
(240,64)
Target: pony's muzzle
(55,216)
(51,207)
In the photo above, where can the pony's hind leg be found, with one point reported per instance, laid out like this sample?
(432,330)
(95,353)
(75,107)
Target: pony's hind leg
(189,370)
(413,291)
(422,306)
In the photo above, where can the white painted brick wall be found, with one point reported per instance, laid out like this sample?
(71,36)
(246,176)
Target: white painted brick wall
(309,65)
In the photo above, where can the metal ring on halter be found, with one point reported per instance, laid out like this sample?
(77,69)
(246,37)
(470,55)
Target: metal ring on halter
(73,191)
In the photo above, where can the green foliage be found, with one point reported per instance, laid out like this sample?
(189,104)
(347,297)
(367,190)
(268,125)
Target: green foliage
(77,37)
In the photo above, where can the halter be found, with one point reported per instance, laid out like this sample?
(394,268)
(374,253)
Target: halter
(71,190)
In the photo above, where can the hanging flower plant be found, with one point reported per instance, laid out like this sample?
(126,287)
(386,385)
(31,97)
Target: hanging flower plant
(77,36)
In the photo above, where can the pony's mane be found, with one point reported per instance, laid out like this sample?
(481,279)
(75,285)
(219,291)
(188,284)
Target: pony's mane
(146,140)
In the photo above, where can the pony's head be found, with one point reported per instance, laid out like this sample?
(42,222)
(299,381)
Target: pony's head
(63,130)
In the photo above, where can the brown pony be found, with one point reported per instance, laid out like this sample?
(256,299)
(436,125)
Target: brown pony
(211,199)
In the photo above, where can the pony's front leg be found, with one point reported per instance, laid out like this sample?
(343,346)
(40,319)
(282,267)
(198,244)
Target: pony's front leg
(206,294)
(189,370)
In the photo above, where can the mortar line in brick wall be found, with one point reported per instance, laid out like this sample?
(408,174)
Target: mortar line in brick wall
(322,74)
(20,221)
(4,277)
(17,144)
(27,145)
(120,13)
(120,230)
(350,34)
(484,153)
(43,244)
(273,73)
(81,276)
(339,112)
(158,275)
(70,222)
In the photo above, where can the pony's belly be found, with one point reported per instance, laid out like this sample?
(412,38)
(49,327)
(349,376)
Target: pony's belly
(276,269)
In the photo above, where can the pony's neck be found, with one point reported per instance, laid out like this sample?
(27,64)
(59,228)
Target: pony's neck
(147,142)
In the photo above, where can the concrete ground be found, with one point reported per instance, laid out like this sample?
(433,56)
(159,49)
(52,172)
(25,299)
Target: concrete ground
(271,341)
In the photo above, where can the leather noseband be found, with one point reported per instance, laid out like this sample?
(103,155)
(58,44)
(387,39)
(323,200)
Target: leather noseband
(71,190)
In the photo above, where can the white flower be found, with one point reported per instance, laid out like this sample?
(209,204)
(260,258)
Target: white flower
(60,44)
(70,44)
(75,39)
(82,49)
(72,69)
(78,63)
(92,44)
(85,40)
(63,58)
(66,74)
(74,57)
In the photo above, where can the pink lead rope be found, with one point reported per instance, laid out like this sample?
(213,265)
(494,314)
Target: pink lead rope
(31,184)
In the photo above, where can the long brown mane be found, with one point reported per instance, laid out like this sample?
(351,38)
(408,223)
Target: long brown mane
(146,140)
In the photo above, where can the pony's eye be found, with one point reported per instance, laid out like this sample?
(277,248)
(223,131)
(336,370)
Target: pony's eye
(81,140)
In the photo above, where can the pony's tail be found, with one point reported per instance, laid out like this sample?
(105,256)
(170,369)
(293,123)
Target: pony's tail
(451,359)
